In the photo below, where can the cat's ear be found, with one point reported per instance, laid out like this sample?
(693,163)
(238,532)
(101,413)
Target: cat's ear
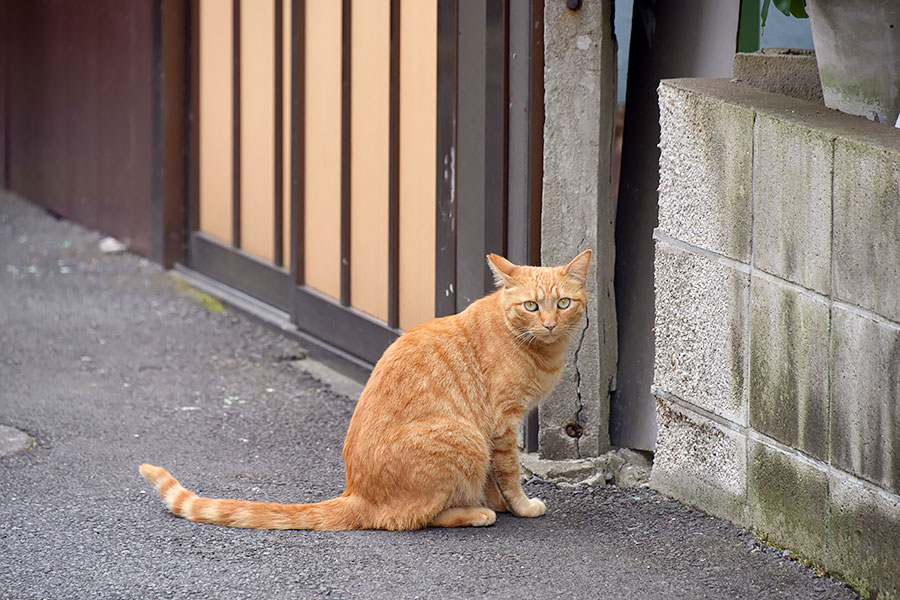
(503,270)
(578,268)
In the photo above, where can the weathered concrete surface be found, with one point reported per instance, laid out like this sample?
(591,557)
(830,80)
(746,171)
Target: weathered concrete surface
(577,213)
(792,172)
(823,364)
(758,101)
(790,358)
(218,399)
(699,461)
(782,71)
(867,220)
(864,526)
(701,320)
(623,467)
(865,409)
(857,44)
(787,499)
(706,151)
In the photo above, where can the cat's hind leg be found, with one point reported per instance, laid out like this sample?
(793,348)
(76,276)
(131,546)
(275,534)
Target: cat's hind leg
(464,517)
(492,497)
(465,506)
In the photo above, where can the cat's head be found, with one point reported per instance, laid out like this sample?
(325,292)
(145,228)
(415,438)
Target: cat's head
(541,304)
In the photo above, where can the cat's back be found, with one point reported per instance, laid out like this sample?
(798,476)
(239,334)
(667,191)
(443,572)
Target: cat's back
(427,353)
(436,361)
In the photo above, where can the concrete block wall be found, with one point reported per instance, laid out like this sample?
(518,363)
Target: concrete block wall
(777,368)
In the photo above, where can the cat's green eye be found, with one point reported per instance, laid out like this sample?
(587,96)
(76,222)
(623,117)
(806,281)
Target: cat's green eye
(530,305)
(564,302)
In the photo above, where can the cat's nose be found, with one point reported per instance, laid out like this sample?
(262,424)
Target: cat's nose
(550,326)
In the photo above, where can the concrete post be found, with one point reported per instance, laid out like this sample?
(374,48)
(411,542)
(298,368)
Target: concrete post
(577,213)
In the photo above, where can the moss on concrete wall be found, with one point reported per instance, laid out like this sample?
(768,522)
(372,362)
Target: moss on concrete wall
(803,444)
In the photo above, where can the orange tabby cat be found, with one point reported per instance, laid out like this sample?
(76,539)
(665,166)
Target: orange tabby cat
(432,441)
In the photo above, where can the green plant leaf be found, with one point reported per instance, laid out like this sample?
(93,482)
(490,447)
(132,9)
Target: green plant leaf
(798,9)
(785,6)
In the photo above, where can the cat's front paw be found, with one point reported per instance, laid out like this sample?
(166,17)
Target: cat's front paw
(534,508)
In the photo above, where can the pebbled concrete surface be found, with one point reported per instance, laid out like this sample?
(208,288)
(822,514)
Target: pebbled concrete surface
(107,361)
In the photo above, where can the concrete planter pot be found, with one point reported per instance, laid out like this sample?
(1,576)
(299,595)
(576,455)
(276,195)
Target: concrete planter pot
(858,51)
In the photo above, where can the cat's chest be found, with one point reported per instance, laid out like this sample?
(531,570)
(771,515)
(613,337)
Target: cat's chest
(528,380)
(545,381)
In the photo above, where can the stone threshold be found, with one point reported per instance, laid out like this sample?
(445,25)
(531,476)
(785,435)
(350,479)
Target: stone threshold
(622,467)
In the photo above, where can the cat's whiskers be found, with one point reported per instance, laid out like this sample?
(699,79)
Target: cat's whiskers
(519,331)
(522,336)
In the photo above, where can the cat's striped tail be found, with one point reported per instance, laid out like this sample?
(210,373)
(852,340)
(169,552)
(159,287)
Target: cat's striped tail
(332,515)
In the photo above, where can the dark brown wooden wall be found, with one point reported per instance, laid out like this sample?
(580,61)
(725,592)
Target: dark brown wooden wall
(4,52)
(77,90)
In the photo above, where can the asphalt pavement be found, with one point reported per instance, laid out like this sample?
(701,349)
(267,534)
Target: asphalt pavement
(108,361)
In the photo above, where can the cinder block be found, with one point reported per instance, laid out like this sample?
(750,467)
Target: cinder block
(790,72)
(865,412)
(700,462)
(864,540)
(787,500)
(790,352)
(706,149)
(701,317)
(867,222)
(792,166)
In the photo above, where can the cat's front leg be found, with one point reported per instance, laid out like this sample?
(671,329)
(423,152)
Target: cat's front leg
(506,472)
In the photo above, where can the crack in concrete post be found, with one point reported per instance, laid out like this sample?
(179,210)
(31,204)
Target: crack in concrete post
(578,383)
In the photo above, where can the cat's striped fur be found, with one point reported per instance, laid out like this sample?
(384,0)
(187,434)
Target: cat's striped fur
(432,441)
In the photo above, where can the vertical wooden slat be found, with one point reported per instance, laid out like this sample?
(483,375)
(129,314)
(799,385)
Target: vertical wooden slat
(236,123)
(445,242)
(298,144)
(471,159)
(525,78)
(256,138)
(5,47)
(193,149)
(167,213)
(519,112)
(418,97)
(495,135)
(536,167)
(346,97)
(394,170)
(322,176)
(287,128)
(215,129)
(481,144)
(278,125)
(370,157)
(536,133)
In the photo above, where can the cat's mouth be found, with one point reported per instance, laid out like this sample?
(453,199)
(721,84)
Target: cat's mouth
(541,335)
(546,336)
